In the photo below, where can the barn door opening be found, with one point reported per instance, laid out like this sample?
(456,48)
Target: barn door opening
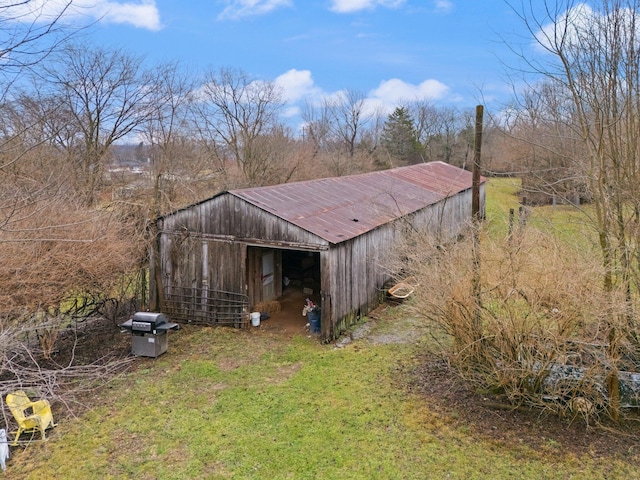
(279,282)
(301,280)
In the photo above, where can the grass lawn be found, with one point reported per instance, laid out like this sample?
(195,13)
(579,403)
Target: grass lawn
(225,403)
(248,404)
(566,222)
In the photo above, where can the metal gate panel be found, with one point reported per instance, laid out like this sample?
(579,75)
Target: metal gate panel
(202,306)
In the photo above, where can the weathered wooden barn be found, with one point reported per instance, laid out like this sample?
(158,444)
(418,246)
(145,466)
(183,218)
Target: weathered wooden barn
(220,257)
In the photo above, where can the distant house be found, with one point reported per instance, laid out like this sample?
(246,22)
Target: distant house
(220,257)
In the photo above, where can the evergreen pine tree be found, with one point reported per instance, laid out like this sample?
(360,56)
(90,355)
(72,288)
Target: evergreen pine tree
(399,138)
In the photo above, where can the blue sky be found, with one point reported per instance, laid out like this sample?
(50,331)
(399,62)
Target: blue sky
(446,51)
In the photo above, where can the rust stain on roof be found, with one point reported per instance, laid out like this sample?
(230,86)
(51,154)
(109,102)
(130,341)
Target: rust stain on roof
(340,208)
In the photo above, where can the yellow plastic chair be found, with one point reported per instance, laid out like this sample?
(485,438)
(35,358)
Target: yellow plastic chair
(31,416)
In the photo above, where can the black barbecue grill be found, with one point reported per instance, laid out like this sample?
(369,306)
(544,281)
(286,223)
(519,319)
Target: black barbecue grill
(148,333)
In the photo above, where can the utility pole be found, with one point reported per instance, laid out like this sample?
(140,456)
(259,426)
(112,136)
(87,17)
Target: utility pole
(475,220)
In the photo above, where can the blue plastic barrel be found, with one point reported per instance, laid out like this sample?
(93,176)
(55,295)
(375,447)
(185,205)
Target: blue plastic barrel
(314,321)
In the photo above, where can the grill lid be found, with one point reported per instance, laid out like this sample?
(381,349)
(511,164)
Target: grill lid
(149,322)
(149,317)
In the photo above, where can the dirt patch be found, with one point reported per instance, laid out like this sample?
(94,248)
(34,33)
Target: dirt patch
(383,327)
(284,373)
(288,320)
(90,341)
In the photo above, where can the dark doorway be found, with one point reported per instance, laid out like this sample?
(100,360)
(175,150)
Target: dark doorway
(300,280)
(301,270)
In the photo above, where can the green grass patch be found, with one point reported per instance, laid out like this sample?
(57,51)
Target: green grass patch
(228,404)
(501,197)
(566,222)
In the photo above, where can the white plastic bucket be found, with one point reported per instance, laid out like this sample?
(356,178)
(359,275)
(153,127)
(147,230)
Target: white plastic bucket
(255,319)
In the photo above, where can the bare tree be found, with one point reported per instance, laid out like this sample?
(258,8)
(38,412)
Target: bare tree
(234,116)
(28,37)
(165,131)
(441,131)
(427,124)
(541,130)
(348,118)
(106,93)
(317,128)
(592,54)
(59,260)
(338,128)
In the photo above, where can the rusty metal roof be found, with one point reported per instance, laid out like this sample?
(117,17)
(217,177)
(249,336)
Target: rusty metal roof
(340,208)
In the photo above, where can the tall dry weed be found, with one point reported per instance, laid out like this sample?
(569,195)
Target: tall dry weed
(551,336)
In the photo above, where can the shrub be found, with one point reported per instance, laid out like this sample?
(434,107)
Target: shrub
(550,336)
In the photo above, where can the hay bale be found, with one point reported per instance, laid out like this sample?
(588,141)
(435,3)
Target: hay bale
(270,306)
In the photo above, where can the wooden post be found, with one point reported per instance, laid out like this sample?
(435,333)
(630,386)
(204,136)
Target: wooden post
(477,166)
(156,296)
(475,219)
(511,219)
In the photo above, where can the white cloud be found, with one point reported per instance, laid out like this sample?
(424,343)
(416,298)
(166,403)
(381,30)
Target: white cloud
(143,14)
(140,15)
(395,91)
(296,85)
(350,6)
(291,111)
(581,25)
(236,9)
(443,6)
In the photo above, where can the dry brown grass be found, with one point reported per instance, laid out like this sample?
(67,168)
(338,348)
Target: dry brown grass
(550,335)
